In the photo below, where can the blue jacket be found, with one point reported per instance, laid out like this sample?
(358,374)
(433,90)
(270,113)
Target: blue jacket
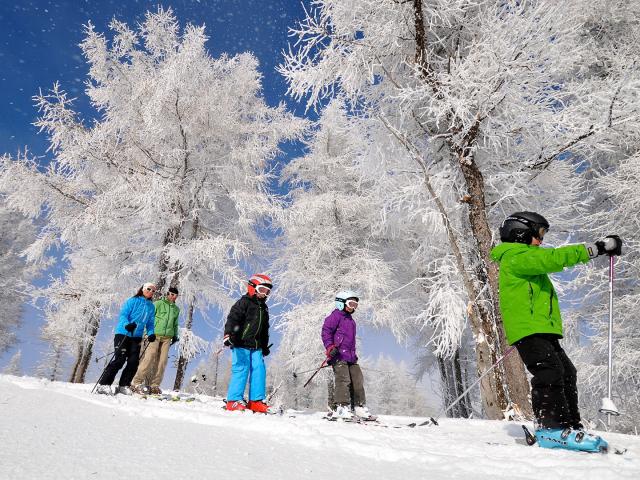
(138,310)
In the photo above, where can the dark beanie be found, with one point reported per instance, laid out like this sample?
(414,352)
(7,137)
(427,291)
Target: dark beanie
(173,290)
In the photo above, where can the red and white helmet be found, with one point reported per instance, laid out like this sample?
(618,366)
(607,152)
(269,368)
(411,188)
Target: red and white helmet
(258,279)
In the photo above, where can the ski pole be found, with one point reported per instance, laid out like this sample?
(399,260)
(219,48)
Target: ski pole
(608,406)
(324,364)
(275,390)
(110,360)
(433,421)
(143,351)
(102,356)
(295,374)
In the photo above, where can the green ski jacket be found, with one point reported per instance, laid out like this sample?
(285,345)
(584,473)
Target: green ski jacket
(166,318)
(528,301)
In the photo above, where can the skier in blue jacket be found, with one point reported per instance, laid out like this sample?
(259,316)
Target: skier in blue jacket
(136,314)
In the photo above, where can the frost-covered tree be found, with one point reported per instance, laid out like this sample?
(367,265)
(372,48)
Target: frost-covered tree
(613,28)
(171,176)
(212,374)
(14,367)
(328,244)
(353,216)
(16,234)
(51,365)
(495,94)
(392,390)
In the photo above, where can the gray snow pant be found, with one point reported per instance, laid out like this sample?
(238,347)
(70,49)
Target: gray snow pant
(349,384)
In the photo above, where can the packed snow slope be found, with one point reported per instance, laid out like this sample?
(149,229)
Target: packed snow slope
(61,431)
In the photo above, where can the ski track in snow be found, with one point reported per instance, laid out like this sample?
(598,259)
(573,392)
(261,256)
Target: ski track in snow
(56,430)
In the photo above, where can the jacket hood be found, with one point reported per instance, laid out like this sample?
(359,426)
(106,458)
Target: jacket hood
(499,250)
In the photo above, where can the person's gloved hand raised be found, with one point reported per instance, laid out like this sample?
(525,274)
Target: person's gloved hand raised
(130,327)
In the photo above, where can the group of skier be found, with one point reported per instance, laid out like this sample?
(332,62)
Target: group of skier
(144,370)
(247,333)
(528,303)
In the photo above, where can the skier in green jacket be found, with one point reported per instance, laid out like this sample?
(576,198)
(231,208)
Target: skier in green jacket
(532,322)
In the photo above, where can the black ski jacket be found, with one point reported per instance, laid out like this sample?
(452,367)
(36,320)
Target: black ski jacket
(248,323)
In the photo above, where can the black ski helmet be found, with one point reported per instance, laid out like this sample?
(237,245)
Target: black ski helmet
(521,227)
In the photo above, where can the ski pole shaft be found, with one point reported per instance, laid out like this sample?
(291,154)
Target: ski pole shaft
(610,359)
(105,368)
(461,396)
(316,372)
(97,359)
(144,350)
(295,374)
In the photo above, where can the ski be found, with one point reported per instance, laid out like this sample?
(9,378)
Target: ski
(370,421)
(166,397)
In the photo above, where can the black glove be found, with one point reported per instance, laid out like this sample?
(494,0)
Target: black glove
(228,341)
(174,340)
(130,327)
(151,338)
(265,351)
(611,245)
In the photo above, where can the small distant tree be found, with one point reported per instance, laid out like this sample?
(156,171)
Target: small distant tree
(14,367)
(16,234)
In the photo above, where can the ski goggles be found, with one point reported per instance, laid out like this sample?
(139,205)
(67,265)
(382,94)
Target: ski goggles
(263,290)
(352,303)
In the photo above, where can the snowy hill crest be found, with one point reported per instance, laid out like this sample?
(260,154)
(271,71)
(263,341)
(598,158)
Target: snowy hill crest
(59,430)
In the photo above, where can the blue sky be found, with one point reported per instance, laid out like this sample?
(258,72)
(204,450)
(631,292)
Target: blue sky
(39,46)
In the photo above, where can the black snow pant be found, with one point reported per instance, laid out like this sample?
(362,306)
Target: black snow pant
(554,393)
(349,384)
(127,350)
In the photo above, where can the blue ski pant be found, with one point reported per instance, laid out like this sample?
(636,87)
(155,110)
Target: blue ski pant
(247,364)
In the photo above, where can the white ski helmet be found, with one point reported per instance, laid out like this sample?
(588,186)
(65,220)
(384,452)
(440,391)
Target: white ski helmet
(343,296)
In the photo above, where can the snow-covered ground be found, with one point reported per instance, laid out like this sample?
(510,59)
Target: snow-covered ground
(59,430)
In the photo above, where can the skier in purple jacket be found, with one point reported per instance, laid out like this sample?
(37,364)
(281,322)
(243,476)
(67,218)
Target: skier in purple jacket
(339,339)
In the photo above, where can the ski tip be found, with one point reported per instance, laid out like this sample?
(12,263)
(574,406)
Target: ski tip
(604,449)
(529,437)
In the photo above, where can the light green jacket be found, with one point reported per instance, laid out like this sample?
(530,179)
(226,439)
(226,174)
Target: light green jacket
(167,314)
(528,301)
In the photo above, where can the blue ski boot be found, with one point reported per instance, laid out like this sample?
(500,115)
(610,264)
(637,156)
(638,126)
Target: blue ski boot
(569,439)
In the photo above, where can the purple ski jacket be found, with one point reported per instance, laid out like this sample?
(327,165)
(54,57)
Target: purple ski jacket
(339,329)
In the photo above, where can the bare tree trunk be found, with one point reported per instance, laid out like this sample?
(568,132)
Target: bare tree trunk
(506,386)
(462,408)
(510,373)
(85,351)
(57,356)
(79,354)
(182,361)
(215,374)
(171,236)
(445,380)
